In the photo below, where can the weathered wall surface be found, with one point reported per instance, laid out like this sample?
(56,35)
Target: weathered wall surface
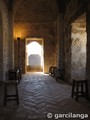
(1,49)
(73,11)
(78,50)
(5,32)
(88,44)
(38,30)
(21,54)
(49,53)
(59,41)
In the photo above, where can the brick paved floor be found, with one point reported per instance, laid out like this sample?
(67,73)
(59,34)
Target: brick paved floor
(40,94)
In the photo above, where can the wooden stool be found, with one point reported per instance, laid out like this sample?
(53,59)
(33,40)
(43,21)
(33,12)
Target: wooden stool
(8,96)
(79,89)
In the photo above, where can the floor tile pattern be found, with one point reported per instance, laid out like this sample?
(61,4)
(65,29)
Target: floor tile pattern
(40,94)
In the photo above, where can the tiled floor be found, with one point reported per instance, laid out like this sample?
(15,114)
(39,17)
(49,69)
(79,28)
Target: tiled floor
(39,95)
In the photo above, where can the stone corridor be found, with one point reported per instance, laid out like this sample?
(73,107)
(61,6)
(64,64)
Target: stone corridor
(40,94)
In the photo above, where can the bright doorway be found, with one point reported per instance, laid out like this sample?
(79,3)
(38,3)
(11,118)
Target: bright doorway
(34,55)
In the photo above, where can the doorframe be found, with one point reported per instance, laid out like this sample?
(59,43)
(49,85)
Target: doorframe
(34,39)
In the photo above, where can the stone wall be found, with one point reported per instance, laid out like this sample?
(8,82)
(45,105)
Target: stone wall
(6,33)
(1,49)
(4,41)
(38,30)
(59,41)
(49,53)
(88,44)
(15,53)
(78,49)
(21,54)
(73,11)
(10,40)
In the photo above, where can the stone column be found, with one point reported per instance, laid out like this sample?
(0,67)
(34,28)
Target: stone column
(4,43)
(11,39)
(59,44)
(88,44)
(1,48)
(67,49)
(6,47)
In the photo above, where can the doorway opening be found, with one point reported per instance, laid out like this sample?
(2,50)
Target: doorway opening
(78,48)
(34,55)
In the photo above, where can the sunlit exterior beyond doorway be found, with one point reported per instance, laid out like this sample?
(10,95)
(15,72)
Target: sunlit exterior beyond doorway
(34,55)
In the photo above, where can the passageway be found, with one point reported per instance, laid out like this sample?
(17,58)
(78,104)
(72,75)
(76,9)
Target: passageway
(39,95)
(34,55)
(61,29)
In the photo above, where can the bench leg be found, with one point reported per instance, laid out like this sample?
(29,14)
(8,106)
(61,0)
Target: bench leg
(77,90)
(86,90)
(5,95)
(17,96)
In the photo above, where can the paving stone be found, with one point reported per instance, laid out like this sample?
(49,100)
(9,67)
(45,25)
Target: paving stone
(39,95)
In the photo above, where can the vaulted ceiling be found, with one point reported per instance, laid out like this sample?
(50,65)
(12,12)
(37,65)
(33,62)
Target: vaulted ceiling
(62,5)
(40,10)
(37,10)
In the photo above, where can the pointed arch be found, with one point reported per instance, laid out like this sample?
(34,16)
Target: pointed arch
(34,51)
